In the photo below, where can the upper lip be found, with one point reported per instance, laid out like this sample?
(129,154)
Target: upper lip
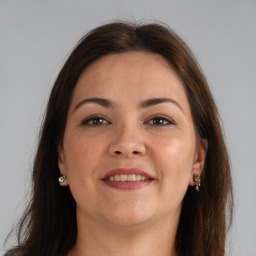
(126,171)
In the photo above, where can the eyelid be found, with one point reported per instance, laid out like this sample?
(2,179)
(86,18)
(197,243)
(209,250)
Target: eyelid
(86,121)
(162,117)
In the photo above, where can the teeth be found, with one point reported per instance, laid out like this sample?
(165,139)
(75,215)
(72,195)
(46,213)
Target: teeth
(130,177)
(123,177)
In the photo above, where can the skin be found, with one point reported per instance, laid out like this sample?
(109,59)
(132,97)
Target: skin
(140,221)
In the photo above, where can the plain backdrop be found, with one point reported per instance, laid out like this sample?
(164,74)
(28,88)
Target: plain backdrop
(37,36)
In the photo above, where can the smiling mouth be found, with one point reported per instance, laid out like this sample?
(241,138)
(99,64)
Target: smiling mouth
(129,178)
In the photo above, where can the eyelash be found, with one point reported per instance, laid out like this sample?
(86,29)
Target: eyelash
(93,121)
(90,121)
(164,121)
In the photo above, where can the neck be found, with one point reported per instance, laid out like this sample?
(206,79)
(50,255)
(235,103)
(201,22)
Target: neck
(138,240)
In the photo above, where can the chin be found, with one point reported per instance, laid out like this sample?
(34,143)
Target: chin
(131,216)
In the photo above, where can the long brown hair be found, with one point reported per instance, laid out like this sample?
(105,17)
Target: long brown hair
(48,226)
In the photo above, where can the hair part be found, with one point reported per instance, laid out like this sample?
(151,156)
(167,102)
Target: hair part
(48,227)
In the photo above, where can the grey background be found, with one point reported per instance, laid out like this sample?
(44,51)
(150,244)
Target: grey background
(35,39)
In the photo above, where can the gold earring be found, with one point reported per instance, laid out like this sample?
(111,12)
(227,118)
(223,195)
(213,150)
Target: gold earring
(197,181)
(62,178)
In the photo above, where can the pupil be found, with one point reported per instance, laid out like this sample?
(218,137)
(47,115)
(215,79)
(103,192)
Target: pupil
(158,121)
(97,121)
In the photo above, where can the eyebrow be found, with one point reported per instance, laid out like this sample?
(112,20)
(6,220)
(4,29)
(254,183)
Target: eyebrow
(100,101)
(156,101)
(144,104)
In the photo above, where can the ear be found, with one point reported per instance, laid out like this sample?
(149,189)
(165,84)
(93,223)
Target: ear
(62,165)
(199,159)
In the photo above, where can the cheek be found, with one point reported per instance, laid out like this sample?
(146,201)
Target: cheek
(175,165)
(175,158)
(177,151)
(82,158)
(82,154)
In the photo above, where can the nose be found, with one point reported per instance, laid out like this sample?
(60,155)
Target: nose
(127,142)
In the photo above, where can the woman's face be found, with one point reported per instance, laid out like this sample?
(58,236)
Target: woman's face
(130,148)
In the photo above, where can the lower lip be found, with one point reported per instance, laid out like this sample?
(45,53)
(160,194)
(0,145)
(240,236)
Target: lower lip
(127,185)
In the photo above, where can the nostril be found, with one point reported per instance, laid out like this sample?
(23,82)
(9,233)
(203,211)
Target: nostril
(134,152)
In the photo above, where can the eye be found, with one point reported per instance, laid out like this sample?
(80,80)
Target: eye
(160,121)
(95,121)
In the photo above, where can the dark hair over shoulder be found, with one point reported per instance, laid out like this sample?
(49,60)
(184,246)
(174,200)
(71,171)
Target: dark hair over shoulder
(48,227)
(10,253)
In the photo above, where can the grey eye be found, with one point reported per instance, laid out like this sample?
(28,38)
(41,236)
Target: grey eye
(95,121)
(160,121)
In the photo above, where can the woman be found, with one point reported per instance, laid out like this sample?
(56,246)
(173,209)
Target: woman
(131,132)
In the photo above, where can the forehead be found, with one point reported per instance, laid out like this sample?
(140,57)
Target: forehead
(142,70)
(131,60)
